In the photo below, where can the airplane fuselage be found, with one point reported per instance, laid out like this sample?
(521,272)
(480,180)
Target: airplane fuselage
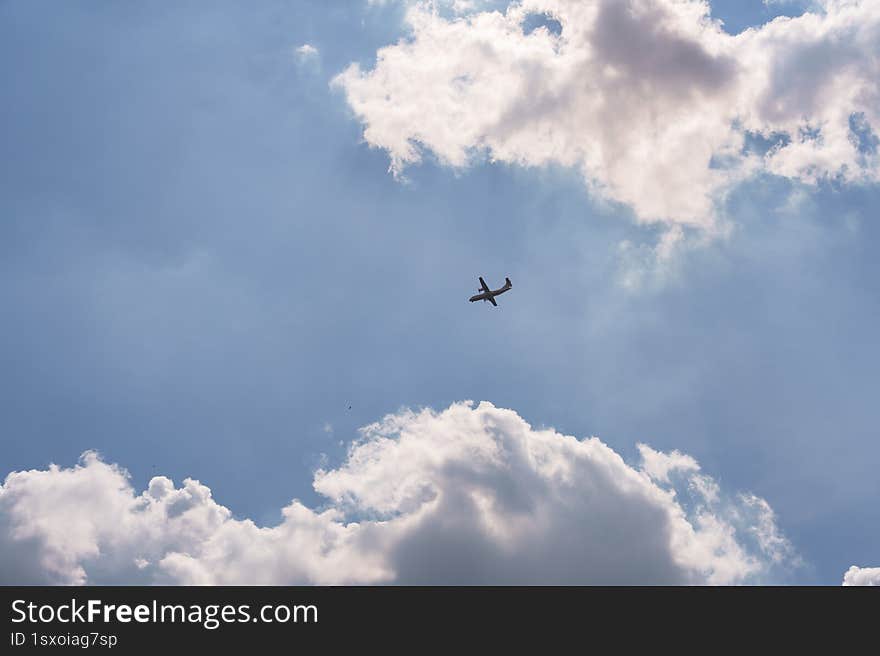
(485,296)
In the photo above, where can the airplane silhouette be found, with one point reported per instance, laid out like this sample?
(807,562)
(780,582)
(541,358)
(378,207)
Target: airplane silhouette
(487,294)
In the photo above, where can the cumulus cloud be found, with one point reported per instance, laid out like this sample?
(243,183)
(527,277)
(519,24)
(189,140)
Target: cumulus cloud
(658,107)
(862,576)
(467,495)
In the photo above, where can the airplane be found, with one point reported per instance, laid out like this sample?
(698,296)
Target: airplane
(487,294)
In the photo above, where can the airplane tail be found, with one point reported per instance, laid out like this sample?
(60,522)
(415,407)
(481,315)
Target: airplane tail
(509,284)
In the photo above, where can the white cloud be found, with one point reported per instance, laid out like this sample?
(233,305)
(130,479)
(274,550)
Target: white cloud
(466,495)
(660,465)
(862,576)
(306,51)
(651,99)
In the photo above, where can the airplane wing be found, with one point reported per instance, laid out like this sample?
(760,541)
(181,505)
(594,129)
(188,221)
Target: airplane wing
(491,299)
(484,285)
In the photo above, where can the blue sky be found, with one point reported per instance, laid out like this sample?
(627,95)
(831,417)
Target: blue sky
(204,265)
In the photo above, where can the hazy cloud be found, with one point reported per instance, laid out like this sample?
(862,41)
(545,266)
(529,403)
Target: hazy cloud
(306,51)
